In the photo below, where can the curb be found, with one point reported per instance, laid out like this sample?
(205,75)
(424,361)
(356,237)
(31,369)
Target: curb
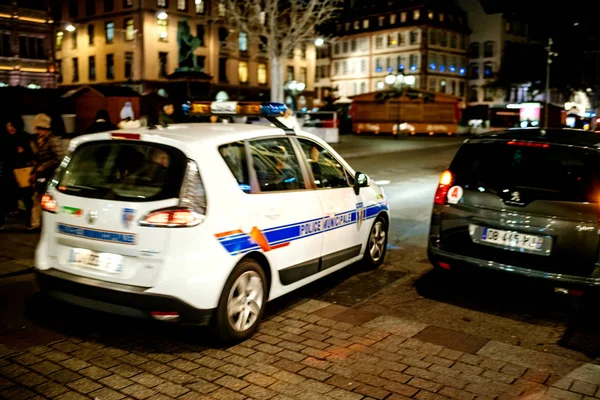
(24,271)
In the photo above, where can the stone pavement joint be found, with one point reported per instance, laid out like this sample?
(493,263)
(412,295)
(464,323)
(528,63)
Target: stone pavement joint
(370,357)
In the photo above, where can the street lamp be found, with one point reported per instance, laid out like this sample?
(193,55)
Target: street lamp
(319,42)
(295,88)
(397,81)
(162,15)
(70,28)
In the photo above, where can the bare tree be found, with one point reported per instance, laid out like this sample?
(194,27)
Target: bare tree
(280,26)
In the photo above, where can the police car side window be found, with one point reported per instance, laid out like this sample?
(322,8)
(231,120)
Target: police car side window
(234,155)
(276,165)
(327,171)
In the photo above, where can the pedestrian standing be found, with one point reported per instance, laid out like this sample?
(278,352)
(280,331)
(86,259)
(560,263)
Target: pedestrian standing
(18,162)
(47,158)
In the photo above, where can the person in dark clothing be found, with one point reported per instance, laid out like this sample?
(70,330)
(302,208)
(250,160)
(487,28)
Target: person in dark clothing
(49,154)
(167,116)
(17,154)
(102,123)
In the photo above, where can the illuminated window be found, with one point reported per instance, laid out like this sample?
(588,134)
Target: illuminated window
(222,9)
(393,19)
(392,40)
(243,71)
(199,4)
(365,23)
(356,25)
(110,32)
(262,74)
(59,40)
(161,3)
(182,5)
(441,17)
(381,20)
(129,29)
(430,15)
(416,14)
(347,26)
(163,29)
(243,41)
(403,17)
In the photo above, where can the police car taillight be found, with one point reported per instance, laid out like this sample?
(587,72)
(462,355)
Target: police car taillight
(172,218)
(49,204)
(446,180)
(192,204)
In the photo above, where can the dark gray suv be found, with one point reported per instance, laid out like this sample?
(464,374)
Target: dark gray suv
(524,202)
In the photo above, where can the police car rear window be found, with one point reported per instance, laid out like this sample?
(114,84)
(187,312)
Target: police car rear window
(118,170)
(557,173)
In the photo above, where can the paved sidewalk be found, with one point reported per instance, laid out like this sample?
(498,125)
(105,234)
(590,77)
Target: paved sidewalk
(17,248)
(315,350)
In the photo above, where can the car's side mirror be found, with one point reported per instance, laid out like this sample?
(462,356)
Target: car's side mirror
(360,180)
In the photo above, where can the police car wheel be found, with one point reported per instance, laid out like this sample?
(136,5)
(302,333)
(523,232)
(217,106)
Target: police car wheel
(376,244)
(242,303)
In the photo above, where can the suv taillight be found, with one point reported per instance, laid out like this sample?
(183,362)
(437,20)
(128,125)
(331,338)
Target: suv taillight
(192,204)
(446,180)
(49,204)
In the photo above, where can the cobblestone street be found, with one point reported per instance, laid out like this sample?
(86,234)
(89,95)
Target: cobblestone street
(311,351)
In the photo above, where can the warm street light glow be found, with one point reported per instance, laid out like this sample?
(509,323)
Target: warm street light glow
(70,28)
(409,80)
(319,42)
(198,1)
(390,79)
(300,86)
(162,15)
(292,85)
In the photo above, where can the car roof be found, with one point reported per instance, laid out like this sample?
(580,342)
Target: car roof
(198,134)
(562,136)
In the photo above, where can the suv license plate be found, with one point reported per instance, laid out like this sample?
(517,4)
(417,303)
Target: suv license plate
(106,262)
(512,239)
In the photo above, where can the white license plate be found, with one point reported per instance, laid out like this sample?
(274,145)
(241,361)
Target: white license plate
(512,239)
(101,261)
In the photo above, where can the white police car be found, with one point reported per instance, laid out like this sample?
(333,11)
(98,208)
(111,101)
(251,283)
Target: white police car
(202,223)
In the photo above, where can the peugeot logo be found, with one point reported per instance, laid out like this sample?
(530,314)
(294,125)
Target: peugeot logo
(92,217)
(515,196)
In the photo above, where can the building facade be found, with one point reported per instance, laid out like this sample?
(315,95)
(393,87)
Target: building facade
(426,40)
(26,56)
(494,33)
(135,43)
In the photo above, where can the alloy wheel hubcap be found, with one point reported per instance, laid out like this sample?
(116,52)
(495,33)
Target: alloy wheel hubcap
(245,301)
(377,241)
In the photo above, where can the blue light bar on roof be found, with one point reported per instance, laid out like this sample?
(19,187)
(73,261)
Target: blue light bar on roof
(238,108)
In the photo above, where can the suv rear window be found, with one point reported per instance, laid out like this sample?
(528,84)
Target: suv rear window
(556,173)
(117,170)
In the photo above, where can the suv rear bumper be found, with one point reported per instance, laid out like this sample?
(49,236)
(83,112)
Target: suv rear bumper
(131,301)
(459,262)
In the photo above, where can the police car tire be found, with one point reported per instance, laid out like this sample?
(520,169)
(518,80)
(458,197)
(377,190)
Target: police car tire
(221,327)
(368,261)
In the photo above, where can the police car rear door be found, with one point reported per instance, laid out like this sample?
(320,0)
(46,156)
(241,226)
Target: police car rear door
(102,194)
